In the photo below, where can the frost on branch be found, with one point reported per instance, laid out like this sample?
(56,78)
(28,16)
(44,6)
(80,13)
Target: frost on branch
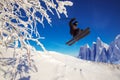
(18,20)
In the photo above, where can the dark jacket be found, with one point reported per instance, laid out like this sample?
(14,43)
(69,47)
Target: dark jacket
(73,27)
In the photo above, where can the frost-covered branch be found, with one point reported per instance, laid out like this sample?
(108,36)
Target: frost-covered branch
(18,20)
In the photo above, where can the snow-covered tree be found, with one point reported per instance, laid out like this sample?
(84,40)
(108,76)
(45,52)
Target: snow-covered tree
(18,19)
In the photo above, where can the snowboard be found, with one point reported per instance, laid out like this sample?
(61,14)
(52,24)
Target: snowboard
(79,36)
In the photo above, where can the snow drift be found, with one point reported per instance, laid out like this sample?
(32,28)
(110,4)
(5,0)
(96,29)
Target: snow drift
(54,66)
(102,52)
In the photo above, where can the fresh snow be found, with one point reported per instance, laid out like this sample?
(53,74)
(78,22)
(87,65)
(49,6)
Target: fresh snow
(56,66)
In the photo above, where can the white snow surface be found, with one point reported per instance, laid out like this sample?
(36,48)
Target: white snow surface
(57,66)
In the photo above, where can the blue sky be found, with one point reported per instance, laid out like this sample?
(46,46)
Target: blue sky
(102,16)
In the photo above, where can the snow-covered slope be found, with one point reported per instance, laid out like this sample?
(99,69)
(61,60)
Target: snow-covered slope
(102,52)
(56,66)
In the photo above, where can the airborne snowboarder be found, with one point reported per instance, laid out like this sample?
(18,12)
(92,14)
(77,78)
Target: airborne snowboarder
(76,32)
(73,27)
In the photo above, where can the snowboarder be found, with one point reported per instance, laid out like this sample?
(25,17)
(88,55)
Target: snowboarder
(76,32)
(73,27)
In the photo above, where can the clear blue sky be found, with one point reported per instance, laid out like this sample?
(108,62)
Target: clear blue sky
(102,16)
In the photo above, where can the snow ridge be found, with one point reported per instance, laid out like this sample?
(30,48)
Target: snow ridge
(56,66)
(102,52)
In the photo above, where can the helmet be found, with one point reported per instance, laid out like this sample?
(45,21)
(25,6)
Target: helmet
(75,23)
